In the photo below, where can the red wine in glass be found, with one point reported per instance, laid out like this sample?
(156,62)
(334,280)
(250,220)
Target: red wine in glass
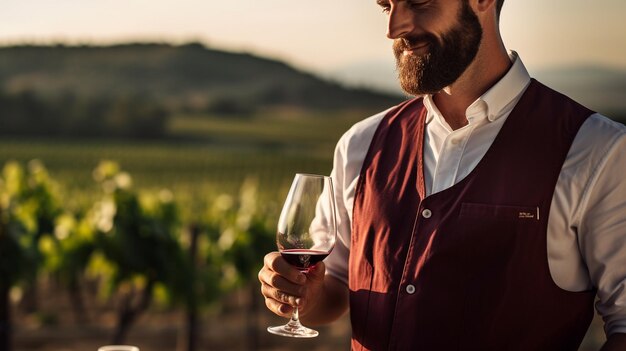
(303,259)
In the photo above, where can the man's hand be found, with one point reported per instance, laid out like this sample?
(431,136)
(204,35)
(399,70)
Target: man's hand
(284,286)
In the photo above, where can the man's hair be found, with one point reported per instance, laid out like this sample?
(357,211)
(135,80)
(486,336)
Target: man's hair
(499,7)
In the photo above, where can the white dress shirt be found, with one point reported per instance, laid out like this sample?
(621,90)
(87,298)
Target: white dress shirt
(587,220)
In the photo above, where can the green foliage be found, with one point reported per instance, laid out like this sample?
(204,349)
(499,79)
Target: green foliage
(229,107)
(69,251)
(12,259)
(239,235)
(27,113)
(135,244)
(29,207)
(138,236)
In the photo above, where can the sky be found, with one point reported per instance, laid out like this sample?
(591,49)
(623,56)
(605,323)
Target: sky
(322,36)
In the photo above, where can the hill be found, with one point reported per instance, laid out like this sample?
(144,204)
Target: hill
(600,88)
(189,76)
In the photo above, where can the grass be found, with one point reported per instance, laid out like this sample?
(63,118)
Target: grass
(205,154)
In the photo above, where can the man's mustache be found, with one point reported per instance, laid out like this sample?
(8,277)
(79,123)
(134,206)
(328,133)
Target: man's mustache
(406,43)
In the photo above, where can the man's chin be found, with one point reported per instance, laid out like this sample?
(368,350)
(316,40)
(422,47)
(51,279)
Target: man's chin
(414,90)
(412,85)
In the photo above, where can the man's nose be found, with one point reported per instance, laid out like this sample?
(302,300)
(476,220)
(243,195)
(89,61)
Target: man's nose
(400,21)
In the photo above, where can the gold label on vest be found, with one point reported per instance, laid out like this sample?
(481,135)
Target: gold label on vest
(528,215)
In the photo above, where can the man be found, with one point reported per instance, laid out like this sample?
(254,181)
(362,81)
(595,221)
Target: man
(485,214)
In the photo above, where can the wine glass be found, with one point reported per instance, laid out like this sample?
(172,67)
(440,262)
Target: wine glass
(306,234)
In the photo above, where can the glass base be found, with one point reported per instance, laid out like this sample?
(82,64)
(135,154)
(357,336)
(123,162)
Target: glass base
(294,330)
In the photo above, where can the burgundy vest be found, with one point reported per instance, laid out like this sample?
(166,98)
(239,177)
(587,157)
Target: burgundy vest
(465,268)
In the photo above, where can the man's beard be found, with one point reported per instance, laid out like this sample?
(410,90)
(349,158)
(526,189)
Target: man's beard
(444,62)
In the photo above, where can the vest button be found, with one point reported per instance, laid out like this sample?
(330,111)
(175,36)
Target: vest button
(427,213)
(410,289)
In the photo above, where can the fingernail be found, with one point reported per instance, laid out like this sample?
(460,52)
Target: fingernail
(298,301)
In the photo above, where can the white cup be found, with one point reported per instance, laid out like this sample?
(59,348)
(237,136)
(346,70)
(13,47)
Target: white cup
(118,348)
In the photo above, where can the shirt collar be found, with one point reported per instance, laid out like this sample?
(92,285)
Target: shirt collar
(495,100)
(507,89)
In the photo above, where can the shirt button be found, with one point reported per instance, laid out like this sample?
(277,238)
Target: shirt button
(410,289)
(454,141)
(426,213)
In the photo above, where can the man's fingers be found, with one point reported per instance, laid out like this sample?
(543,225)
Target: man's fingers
(281,309)
(276,263)
(273,279)
(282,285)
(278,295)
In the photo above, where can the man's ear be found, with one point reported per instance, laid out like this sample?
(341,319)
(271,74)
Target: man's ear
(484,5)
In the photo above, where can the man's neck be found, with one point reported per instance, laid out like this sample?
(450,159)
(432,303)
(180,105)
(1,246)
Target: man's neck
(481,75)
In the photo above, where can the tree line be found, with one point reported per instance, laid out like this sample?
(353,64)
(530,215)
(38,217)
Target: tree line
(69,115)
(131,243)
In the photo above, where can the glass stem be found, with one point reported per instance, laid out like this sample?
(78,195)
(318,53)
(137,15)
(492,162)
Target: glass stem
(295,318)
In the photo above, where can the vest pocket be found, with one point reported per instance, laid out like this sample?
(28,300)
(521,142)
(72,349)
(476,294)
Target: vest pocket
(499,212)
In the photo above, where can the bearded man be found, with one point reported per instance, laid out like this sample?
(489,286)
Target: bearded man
(487,213)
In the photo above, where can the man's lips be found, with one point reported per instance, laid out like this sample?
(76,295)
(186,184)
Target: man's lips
(416,49)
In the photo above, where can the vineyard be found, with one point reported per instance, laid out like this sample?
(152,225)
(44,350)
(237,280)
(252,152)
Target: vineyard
(201,152)
(148,242)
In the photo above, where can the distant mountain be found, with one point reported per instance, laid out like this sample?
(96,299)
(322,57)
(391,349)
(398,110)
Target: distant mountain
(186,76)
(375,74)
(599,88)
